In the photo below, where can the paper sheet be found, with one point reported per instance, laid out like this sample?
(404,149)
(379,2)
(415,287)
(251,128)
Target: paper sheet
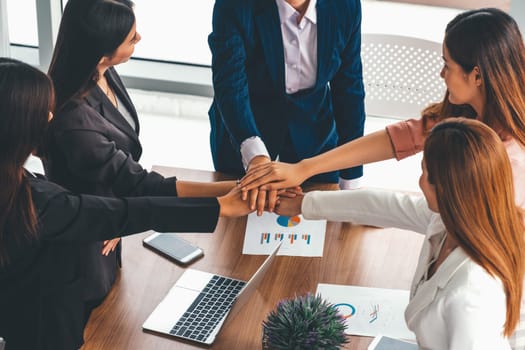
(382,342)
(370,311)
(300,237)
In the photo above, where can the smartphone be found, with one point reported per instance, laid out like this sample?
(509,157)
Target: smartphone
(173,247)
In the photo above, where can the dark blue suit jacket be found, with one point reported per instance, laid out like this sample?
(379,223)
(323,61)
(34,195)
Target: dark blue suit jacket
(249,83)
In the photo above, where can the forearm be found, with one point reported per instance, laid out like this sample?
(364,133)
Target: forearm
(370,148)
(369,207)
(71,217)
(203,189)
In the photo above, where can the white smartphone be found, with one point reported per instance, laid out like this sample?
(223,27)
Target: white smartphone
(173,247)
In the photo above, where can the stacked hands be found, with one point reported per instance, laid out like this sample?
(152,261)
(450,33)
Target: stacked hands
(267,186)
(274,187)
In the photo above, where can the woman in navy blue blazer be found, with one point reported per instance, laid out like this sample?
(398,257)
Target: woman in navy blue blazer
(41,301)
(93,144)
(287,78)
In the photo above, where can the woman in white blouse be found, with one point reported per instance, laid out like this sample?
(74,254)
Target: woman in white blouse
(467,287)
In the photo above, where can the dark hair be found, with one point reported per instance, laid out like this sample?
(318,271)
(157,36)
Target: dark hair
(490,39)
(89,30)
(469,167)
(26,98)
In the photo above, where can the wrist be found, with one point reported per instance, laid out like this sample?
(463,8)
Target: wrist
(258,159)
(222,206)
(307,168)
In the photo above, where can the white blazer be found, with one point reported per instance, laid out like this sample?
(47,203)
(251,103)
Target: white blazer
(461,307)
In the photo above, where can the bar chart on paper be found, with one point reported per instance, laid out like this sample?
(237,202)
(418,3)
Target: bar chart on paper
(300,237)
(370,311)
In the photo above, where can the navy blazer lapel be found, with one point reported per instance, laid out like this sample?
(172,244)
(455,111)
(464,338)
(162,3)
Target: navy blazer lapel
(268,24)
(325,38)
(98,101)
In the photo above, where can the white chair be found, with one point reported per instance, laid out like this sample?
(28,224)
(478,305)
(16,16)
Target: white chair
(400,75)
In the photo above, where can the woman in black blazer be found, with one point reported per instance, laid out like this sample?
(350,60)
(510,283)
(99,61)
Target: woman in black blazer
(93,144)
(41,305)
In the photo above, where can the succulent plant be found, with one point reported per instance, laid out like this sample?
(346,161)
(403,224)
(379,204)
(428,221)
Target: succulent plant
(303,323)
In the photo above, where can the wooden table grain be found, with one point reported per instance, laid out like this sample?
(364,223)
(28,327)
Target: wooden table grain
(353,255)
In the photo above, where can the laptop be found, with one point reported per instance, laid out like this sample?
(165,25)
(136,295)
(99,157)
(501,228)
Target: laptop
(197,305)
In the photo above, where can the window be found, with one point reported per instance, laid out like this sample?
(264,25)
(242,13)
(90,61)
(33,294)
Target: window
(174,31)
(22,23)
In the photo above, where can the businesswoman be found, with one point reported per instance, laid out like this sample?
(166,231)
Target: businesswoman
(484,71)
(467,288)
(41,303)
(93,144)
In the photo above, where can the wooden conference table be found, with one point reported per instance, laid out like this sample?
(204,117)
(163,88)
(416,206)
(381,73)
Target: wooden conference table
(353,255)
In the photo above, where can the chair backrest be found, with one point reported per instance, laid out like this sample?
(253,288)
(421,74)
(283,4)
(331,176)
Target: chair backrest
(462,4)
(400,75)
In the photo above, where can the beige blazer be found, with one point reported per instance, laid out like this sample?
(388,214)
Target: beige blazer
(461,307)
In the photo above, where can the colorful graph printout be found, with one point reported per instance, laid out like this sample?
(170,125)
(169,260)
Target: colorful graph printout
(300,237)
(370,311)
(287,221)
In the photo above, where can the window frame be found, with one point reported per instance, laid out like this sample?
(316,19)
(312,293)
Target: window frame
(161,76)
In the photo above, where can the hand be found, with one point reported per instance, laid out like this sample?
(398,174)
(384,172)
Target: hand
(109,245)
(257,198)
(290,206)
(232,205)
(268,200)
(290,192)
(273,176)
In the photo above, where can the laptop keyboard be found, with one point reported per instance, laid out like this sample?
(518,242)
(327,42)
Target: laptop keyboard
(208,309)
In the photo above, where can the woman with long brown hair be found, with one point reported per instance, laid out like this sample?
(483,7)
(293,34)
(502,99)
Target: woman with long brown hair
(467,289)
(484,71)
(41,289)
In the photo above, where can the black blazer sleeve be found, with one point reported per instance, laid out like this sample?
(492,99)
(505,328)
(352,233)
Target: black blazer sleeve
(67,216)
(89,154)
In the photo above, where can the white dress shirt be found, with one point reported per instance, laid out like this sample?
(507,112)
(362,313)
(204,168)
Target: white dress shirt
(300,69)
(300,62)
(461,306)
(300,46)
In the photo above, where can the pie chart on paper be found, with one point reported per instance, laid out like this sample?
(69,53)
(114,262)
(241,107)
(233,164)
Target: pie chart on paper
(288,221)
(300,236)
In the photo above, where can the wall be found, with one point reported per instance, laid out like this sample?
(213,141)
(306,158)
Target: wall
(517,10)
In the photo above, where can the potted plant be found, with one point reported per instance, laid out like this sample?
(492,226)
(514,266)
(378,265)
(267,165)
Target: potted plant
(304,322)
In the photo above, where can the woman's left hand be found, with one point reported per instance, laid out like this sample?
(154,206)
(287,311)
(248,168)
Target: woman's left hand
(109,246)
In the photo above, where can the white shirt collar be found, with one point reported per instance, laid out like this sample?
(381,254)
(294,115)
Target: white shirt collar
(287,12)
(311,12)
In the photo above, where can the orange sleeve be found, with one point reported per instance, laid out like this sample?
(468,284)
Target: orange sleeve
(407,137)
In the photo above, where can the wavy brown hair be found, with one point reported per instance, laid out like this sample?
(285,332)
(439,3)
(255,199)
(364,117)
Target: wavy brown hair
(490,39)
(26,98)
(469,167)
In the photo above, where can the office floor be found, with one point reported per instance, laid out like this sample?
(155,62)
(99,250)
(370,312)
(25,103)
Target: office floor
(175,132)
